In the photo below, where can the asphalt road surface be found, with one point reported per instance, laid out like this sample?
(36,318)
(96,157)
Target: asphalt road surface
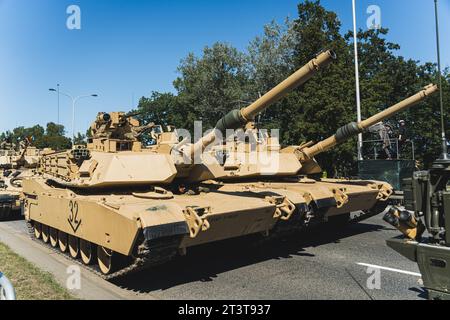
(320,264)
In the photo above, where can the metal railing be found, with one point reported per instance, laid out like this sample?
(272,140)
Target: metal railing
(377,149)
(6,289)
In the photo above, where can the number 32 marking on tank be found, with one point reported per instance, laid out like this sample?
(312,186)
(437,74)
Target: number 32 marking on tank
(73,216)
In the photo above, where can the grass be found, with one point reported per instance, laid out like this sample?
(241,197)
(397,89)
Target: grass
(30,282)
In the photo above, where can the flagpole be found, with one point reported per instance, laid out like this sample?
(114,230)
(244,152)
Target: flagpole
(444,155)
(358,95)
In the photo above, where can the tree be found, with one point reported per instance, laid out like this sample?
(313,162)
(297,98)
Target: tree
(161,108)
(34,133)
(80,140)
(52,137)
(271,59)
(208,87)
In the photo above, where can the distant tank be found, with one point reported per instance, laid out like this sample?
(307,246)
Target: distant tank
(16,164)
(119,206)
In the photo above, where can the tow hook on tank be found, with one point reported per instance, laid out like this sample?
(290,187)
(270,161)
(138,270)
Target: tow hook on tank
(405,222)
(197,219)
(384,191)
(284,207)
(340,196)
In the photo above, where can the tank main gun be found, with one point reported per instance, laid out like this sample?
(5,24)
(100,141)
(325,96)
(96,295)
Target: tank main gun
(353,129)
(239,118)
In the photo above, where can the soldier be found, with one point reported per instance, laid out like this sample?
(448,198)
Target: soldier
(384,131)
(403,136)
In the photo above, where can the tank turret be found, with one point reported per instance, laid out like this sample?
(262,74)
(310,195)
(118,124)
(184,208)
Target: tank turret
(117,131)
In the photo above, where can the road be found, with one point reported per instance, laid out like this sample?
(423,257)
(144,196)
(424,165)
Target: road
(320,264)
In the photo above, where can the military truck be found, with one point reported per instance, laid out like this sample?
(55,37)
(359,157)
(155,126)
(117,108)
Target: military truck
(425,223)
(120,206)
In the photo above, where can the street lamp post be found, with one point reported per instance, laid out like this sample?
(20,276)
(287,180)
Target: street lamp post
(74,102)
(58,101)
(444,155)
(358,95)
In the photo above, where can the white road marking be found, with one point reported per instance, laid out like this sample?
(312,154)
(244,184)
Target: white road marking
(415,274)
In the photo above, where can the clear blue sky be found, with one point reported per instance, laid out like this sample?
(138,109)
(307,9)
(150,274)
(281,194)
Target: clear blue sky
(129,48)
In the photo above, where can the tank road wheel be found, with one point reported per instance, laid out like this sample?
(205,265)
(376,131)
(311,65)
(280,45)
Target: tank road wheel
(53,237)
(63,241)
(45,233)
(74,247)
(87,252)
(37,230)
(106,260)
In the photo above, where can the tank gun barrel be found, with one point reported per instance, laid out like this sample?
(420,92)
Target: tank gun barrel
(295,80)
(103,118)
(238,118)
(133,114)
(353,129)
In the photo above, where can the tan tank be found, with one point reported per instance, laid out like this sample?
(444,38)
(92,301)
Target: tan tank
(296,170)
(16,164)
(122,207)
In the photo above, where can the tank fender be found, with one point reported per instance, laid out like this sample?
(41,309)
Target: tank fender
(163,220)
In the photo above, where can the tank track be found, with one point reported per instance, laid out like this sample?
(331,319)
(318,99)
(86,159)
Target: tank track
(296,225)
(151,254)
(379,208)
(7,212)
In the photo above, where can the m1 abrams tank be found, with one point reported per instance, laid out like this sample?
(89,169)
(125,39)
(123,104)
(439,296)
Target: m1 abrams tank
(250,166)
(15,166)
(122,207)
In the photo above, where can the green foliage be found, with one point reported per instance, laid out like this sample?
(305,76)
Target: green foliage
(80,139)
(210,86)
(52,137)
(161,108)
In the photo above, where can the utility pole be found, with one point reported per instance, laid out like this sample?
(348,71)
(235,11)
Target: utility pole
(358,95)
(444,155)
(58,103)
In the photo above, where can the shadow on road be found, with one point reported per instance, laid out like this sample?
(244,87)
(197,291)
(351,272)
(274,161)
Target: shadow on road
(204,263)
(421,292)
(12,217)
